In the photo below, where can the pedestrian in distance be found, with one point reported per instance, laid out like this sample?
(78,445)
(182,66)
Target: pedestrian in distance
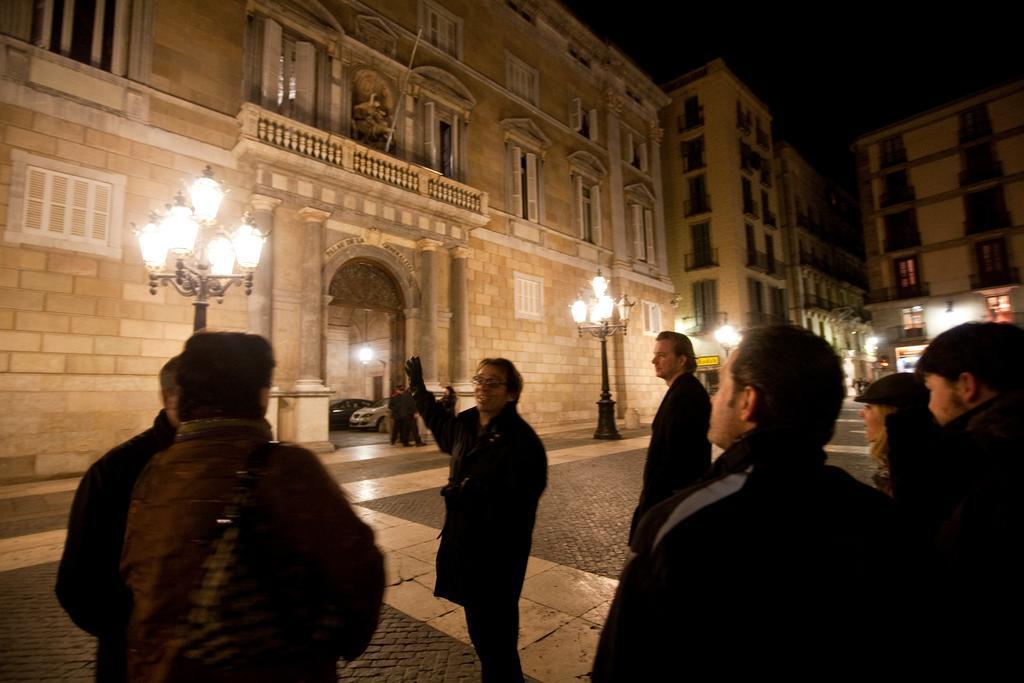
(89,584)
(306,587)
(498,472)
(679,451)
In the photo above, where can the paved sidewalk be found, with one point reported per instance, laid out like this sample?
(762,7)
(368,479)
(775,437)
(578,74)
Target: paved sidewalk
(578,551)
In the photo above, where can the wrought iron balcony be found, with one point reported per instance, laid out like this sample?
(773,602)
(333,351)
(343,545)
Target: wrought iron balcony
(701,259)
(977,173)
(897,195)
(976,131)
(984,280)
(903,239)
(699,204)
(896,293)
(904,333)
(894,157)
(994,220)
(815,301)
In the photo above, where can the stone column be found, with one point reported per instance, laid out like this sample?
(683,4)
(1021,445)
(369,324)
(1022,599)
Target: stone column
(654,155)
(428,309)
(459,303)
(260,302)
(303,412)
(311,310)
(618,218)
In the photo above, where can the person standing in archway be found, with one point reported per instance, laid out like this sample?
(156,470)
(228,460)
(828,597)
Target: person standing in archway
(498,472)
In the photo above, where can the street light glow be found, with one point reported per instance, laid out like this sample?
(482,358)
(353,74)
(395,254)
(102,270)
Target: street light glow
(365,354)
(727,336)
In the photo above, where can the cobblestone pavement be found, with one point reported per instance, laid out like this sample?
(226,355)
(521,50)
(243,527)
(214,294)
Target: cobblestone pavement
(582,523)
(583,518)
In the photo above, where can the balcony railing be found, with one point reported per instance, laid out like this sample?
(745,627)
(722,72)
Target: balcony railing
(756,318)
(693,120)
(897,195)
(815,301)
(976,131)
(902,332)
(896,293)
(989,221)
(981,172)
(757,260)
(700,204)
(347,154)
(903,240)
(834,269)
(750,208)
(701,259)
(1009,276)
(770,219)
(896,156)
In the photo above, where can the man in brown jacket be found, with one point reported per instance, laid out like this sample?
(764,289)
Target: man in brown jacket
(224,381)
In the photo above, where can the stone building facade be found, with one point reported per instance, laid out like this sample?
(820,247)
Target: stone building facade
(827,274)
(437,177)
(942,197)
(726,255)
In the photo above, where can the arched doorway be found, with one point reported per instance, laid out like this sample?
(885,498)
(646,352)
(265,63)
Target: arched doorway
(365,331)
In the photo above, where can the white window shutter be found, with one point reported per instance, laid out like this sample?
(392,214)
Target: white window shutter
(79,208)
(58,203)
(531,187)
(575,114)
(271,71)
(595,209)
(517,181)
(643,156)
(305,80)
(627,149)
(101,213)
(649,233)
(430,134)
(636,219)
(35,199)
(592,124)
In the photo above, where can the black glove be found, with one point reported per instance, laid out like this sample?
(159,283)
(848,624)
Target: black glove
(414,369)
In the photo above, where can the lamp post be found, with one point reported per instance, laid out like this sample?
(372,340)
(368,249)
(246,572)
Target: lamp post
(205,253)
(596,318)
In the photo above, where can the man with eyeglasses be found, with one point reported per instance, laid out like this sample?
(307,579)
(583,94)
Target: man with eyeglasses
(498,472)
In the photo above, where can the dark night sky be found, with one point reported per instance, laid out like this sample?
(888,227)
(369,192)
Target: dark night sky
(826,78)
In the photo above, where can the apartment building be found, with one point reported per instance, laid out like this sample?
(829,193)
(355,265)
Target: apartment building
(726,253)
(942,197)
(827,274)
(437,177)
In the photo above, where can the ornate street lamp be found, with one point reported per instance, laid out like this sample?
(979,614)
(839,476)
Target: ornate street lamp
(728,337)
(205,253)
(595,317)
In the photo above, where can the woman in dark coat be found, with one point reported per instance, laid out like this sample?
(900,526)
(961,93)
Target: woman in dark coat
(498,472)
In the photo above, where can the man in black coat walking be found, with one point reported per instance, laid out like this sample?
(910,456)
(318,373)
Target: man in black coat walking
(498,472)
(89,584)
(679,451)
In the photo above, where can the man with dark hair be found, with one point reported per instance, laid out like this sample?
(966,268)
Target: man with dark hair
(967,481)
(310,540)
(679,451)
(498,472)
(89,585)
(774,559)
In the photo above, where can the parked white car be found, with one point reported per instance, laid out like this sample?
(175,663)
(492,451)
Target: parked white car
(372,417)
